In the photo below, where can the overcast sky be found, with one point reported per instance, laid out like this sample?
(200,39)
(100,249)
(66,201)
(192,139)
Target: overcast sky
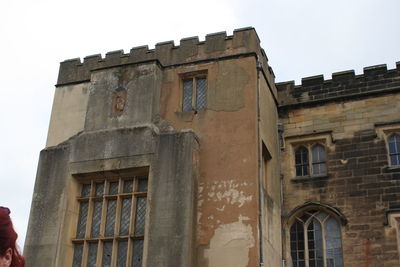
(301,38)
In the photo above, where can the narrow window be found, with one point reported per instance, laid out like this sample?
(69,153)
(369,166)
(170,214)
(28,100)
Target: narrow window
(297,244)
(318,160)
(201,89)
(315,246)
(301,158)
(187,94)
(315,240)
(394,149)
(111,223)
(194,93)
(333,243)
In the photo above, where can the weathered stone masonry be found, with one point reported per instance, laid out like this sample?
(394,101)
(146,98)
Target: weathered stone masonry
(352,111)
(222,184)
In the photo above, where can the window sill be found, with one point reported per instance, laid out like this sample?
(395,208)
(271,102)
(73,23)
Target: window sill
(300,179)
(389,169)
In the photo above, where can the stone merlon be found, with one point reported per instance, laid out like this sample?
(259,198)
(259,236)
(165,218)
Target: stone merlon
(216,45)
(344,84)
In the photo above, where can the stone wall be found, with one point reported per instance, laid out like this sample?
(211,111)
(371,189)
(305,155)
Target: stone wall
(124,111)
(374,81)
(353,125)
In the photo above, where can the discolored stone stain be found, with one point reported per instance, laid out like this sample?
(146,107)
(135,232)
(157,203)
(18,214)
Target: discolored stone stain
(231,77)
(223,193)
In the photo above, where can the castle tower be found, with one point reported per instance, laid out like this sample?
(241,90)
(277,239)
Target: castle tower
(192,156)
(164,157)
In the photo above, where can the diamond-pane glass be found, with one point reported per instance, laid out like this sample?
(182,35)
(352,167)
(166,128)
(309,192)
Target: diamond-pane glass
(104,246)
(85,190)
(137,254)
(78,251)
(201,98)
(113,188)
(142,187)
(125,216)
(107,253)
(187,95)
(92,255)
(122,252)
(96,219)
(83,213)
(140,215)
(110,220)
(128,186)
(99,189)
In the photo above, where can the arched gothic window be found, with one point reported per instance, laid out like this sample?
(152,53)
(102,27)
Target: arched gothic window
(315,240)
(314,161)
(394,149)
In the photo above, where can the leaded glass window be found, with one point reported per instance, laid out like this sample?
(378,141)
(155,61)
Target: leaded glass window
(194,93)
(111,222)
(315,240)
(301,158)
(310,160)
(394,149)
(318,160)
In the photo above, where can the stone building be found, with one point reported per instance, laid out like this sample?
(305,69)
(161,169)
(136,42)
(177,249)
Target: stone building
(192,155)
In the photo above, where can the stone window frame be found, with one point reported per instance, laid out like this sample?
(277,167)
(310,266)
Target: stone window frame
(397,154)
(193,77)
(106,178)
(384,132)
(393,221)
(292,143)
(290,219)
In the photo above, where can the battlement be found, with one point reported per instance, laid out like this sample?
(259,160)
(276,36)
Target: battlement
(216,45)
(343,84)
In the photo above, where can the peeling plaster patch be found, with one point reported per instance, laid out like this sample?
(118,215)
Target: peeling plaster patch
(200,188)
(200,203)
(221,209)
(230,245)
(243,218)
(232,195)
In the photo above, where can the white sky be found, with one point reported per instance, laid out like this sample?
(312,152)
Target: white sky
(301,38)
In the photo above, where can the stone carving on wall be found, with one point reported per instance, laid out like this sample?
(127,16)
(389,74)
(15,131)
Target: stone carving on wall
(119,101)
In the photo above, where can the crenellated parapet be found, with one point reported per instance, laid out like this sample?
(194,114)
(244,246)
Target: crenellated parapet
(345,84)
(191,50)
